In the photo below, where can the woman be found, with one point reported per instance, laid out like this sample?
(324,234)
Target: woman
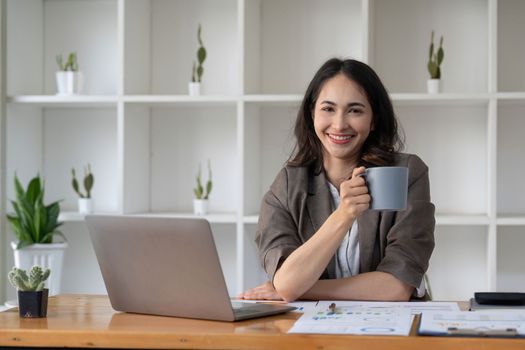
(316,238)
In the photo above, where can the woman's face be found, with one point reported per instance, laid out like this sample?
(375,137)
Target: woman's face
(342,119)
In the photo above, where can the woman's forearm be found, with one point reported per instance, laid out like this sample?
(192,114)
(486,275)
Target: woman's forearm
(304,266)
(375,285)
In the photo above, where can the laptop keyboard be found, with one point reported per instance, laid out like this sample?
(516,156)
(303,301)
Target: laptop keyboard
(244,311)
(241,309)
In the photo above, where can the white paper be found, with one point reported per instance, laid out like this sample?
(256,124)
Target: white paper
(415,307)
(435,322)
(354,319)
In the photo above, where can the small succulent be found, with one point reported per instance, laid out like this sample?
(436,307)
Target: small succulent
(32,283)
(199,191)
(71,63)
(435,59)
(89,180)
(197,70)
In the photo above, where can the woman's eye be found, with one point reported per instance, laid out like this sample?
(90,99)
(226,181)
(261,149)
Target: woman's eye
(355,111)
(327,109)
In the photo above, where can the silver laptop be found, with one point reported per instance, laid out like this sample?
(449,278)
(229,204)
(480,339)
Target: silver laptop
(168,267)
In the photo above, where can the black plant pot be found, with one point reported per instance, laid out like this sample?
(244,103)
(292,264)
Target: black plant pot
(33,304)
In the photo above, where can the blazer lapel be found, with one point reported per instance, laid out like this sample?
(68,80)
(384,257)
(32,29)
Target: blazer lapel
(367,231)
(319,206)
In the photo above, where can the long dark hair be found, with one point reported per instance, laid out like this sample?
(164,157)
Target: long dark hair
(383,141)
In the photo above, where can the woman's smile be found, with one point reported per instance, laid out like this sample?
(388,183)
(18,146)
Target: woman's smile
(340,139)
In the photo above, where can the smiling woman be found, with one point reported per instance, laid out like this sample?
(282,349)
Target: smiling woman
(317,237)
(342,122)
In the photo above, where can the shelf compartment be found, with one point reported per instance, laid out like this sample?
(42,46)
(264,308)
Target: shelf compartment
(254,274)
(511,47)
(268,142)
(176,140)
(161,45)
(33,44)
(457,184)
(511,189)
(510,262)
(407,24)
(38,134)
(224,235)
(454,274)
(280,37)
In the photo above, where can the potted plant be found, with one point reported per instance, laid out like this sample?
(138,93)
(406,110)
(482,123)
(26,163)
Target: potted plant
(200,203)
(34,225)
(85,204)
(433,66)
(68,77)
(197,70)
(32,296)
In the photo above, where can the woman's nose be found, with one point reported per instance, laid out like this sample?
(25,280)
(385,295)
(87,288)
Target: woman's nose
(339,122)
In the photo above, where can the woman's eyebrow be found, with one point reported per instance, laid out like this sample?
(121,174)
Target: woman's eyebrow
(351,104)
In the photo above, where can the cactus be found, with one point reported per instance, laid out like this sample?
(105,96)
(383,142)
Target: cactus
(89,180)
(71,63)
(32,283)
(197,70)
(199,191)
(435,59)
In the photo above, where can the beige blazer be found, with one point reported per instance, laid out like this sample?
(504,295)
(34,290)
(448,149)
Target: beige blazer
(399,243)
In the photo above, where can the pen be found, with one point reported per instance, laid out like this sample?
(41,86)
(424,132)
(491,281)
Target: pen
(506,332)
(331,308)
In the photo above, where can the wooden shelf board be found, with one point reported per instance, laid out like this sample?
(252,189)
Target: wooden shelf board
(65,101)
(184,100)
(511,220)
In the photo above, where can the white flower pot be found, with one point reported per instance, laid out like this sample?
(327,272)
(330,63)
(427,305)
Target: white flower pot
(69,83)
(200,206)
(85,205)
(194,88)
(48,256)
(434,86)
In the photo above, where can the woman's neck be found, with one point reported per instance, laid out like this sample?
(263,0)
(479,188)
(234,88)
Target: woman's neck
(338,170)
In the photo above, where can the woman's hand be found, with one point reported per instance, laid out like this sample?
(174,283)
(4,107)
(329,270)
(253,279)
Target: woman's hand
(354,197)
(264,291)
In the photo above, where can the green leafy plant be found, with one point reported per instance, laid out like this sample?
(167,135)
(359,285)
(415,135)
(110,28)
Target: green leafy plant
(32,283)
(197,70)
(435,59)
(33,221)
(88,182)
(71,63)
(199,191)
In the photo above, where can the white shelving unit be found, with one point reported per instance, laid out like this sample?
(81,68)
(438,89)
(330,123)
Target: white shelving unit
(144,136)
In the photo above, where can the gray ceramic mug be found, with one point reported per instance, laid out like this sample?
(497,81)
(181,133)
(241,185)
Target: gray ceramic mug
(388,187)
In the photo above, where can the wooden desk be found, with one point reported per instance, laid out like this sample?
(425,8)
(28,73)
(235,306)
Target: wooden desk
(82,321)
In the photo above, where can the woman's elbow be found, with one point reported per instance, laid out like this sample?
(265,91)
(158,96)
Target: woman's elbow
(403,292)
(288,294)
